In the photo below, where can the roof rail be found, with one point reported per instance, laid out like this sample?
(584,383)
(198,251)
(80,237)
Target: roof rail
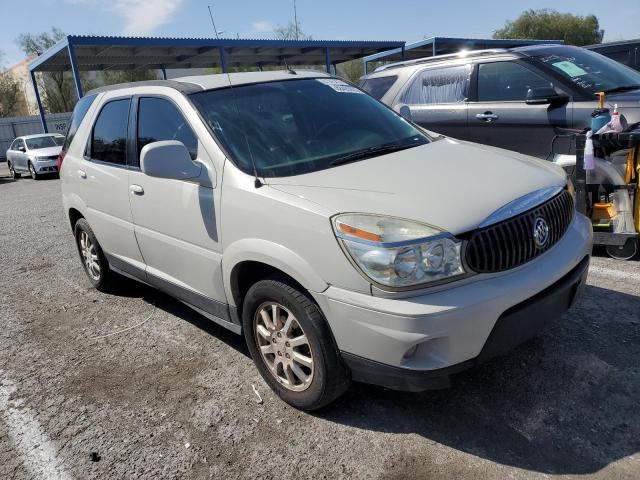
(183,87)
(463,54)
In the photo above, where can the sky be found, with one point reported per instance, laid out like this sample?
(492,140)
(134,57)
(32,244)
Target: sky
(408,20)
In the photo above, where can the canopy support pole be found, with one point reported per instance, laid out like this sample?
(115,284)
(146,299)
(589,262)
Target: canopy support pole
(74,70)
(327,59)
(43,121)
(223,60)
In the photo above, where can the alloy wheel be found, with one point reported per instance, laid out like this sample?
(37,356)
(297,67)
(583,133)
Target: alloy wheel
(284,346)
(89,256)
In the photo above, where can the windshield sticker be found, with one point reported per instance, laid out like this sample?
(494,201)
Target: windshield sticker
(339,85)
(570,68)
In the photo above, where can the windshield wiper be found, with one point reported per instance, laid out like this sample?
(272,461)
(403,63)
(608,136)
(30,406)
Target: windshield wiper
(622,88)
(371,152)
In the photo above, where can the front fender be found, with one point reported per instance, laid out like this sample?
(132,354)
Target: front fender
(273,254)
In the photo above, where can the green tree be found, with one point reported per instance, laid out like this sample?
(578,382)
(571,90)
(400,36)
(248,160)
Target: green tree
(124,76)
(546,24)
(58,90)
(291,32)
(8,91)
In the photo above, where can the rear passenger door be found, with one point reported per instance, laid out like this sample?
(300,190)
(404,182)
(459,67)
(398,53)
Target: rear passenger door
(500,116)
(437,98)
(102,182)
(176,221)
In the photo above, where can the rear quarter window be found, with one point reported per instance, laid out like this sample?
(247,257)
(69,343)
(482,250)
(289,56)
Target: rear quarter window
(378,86)
(79,112)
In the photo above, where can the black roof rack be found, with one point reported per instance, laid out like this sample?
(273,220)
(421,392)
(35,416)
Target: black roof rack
(184,87)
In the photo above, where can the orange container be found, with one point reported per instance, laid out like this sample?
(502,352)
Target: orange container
(603,211)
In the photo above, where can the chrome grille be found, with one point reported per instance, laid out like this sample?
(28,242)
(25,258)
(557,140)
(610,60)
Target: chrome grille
(510,243)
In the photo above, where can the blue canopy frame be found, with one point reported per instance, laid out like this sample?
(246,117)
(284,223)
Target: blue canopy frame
(433,46)
(85,53)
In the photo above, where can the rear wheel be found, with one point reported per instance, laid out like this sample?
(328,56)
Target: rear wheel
(93,260)
(33,172)
(291,345)
(623,252)
(12,171)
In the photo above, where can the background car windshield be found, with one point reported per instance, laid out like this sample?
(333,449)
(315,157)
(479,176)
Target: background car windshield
(588,70)
(300,126)
(41,142)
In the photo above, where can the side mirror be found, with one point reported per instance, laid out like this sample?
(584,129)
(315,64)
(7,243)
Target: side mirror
(544,96)
(21,148)
(168,159)
(404,111)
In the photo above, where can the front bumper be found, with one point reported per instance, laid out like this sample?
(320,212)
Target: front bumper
(49,166)
(416,343)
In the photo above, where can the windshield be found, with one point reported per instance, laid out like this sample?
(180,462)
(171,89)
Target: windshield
(41,142)
(586,69)
(300,126)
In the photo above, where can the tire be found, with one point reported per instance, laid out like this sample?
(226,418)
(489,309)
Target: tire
(623,252)
(86,242)
(13,173)
(329,378)
(33,172)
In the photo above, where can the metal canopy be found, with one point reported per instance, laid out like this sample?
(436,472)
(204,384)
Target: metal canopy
(444,45)
(79,53)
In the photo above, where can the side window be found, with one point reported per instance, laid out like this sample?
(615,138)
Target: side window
(442,85)
(506,81)
(19,143)
(109,136)
(14,145)
(159,119)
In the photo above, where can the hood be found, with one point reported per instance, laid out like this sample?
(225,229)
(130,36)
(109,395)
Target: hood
(45,152)
(630,98)
(450,184)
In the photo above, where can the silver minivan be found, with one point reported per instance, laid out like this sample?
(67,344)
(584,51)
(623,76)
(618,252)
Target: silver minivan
(343,242)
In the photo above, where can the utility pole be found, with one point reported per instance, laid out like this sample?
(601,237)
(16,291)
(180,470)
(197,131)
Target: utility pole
(295,17)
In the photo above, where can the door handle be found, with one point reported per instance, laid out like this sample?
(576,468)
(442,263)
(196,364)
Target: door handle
(82,174)
(487,116)
(136,189)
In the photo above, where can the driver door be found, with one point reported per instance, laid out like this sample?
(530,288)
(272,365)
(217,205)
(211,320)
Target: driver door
(500,116)
(176,222)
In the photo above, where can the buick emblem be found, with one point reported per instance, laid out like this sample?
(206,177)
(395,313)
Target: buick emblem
(540,232)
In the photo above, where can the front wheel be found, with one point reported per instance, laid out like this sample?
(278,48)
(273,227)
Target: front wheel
(13,172)
(292,346)
(33,172)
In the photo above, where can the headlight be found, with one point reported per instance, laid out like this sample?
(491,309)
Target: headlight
(398,253)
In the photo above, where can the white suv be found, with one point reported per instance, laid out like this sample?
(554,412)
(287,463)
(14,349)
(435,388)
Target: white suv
(341,240)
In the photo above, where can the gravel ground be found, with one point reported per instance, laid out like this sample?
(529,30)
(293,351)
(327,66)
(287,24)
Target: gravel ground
(172,397)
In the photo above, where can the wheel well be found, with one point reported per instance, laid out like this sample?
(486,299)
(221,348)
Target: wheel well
(74,216)
(245,274)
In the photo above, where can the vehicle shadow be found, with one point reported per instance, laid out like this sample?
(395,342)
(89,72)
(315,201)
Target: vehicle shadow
(126,287)
(565,403)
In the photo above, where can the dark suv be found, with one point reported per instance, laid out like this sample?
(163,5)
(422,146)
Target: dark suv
(517,99)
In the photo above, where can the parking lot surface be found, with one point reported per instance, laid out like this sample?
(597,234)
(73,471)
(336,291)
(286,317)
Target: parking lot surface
(136,385)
